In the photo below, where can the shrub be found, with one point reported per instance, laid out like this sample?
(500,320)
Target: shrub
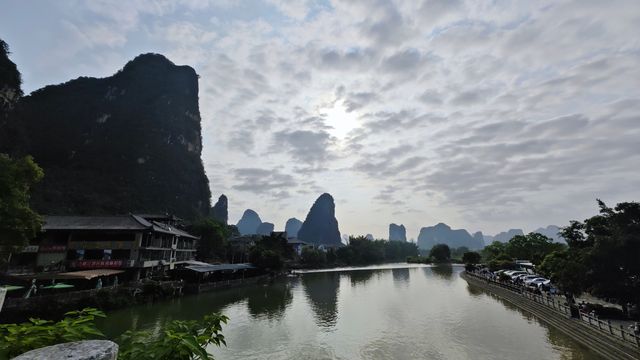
(16,339)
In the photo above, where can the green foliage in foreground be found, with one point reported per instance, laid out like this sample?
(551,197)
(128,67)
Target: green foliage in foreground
(179,340)
(16,339)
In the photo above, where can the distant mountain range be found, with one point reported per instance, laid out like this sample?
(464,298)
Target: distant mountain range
(443,234)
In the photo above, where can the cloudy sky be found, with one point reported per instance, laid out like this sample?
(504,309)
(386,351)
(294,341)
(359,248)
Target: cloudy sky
(486,115)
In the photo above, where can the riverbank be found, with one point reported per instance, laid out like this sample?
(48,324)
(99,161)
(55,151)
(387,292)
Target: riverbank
(53,307)
(586,331)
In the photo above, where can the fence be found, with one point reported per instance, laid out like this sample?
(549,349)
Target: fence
(606,326)
(603,326)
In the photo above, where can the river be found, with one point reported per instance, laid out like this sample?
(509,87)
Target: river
(395,311)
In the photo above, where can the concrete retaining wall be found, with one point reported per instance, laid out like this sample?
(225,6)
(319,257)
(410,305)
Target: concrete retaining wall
(607,346)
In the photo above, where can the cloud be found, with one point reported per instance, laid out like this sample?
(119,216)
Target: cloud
(311,148)
(263,181)
(478,112)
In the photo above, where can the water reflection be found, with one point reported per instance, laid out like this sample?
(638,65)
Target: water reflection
(400,277)
(474,291)
(322,290)
(360,277)
(444,271)
(270,301)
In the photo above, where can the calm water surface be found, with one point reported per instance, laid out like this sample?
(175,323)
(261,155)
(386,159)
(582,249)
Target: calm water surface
(386,312)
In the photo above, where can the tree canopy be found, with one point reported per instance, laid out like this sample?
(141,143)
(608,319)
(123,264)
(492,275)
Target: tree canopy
(440,253)
(603,256)
(18,222)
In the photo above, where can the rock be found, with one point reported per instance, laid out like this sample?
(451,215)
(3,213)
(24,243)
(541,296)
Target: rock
(219,211)
(10,93)
(126,143)
(397,232)
(265,229)
(551,232)
(479,238)
(443,234)
(78,350)
(505,236)
(321,226)
(248,224)
(293,227)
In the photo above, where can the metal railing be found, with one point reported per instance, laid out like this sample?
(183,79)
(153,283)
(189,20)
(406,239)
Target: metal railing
(593,321)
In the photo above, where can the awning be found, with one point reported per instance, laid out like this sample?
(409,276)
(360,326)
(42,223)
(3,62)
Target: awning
(220,267)
(83,274)
(90,274)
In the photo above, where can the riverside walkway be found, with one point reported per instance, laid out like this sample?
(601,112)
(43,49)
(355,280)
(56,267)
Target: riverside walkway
(599,336)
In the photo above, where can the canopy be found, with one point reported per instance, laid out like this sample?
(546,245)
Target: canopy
(90,274)
(83,274)
(221,267)
(59,286)
(11,287)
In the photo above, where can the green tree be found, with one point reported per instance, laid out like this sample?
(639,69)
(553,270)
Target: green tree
(566,270)
(493,250)
(213,239)
(313,257)
(611,244)
(532,246)
(471,257)
(18,222)
(440,253)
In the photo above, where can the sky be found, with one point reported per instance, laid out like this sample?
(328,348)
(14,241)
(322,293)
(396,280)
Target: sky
(485,115)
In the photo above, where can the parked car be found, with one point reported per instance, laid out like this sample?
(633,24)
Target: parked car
(527,277)
(536,281)
(514,275)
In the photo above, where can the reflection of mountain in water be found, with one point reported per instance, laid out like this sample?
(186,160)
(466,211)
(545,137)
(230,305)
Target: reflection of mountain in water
(360,277)
(444,271)
(270,301)
(322,291)
(400,276)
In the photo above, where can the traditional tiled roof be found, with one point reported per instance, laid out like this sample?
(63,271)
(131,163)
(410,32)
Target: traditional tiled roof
(125,222)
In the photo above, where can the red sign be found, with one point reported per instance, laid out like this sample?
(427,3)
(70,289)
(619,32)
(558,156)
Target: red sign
(92,264)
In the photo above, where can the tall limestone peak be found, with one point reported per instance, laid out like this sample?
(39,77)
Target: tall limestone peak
(397,232)
(219,211)
(479,238)
(249,222)
(321,226)
(130,142)
(292,227)
(10,93)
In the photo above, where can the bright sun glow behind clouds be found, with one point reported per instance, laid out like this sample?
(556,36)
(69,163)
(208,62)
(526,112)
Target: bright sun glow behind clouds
(339,119)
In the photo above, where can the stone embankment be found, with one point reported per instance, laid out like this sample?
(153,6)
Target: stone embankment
(609,347)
